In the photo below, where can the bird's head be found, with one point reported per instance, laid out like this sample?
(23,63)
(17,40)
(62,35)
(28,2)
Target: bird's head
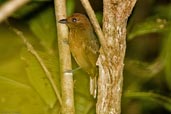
(76,21)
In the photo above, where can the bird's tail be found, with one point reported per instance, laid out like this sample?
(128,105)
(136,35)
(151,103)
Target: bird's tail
(93,81)
(93,86)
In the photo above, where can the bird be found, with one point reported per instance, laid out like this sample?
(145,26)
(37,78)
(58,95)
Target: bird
(84,46)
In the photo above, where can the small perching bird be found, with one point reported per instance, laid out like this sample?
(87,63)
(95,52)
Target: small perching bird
(84,46)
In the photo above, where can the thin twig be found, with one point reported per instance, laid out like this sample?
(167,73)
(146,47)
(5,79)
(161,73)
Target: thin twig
(67,83)
(39,59)
(94,21)
(8,8)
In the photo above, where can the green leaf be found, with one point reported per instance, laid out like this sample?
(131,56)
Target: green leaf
(17,97)
(153,25)
(99,16)
(2,1)
(18,94)
(10,44)
(167,57)
(26,10)
(82,93)
(148,96)
(164,11)
(70,7)
(38,79)
(81,101)
(44,27)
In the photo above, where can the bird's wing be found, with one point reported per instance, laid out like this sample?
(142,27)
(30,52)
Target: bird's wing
(92,49)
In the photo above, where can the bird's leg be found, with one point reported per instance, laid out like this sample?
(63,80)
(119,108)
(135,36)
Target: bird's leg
(71,71)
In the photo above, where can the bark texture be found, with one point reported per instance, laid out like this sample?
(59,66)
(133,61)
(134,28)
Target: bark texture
(111,62)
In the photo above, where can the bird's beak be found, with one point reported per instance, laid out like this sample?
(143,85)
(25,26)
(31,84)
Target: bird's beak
(63,21)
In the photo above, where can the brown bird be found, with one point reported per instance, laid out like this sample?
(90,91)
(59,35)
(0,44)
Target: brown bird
(84,46)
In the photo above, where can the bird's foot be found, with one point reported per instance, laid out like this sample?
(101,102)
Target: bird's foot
(71,71)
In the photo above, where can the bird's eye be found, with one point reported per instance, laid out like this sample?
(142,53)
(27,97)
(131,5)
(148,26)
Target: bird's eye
(74,20)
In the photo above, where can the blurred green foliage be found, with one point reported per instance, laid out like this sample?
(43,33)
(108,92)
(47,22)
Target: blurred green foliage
(147,76)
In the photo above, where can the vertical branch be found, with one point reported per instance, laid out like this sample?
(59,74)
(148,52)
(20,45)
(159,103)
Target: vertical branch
(112,55)
(110,82)
(65,60)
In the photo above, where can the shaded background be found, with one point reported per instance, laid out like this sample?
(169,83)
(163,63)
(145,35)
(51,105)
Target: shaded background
(147,75)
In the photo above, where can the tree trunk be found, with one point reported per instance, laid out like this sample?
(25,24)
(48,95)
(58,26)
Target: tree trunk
(111,59)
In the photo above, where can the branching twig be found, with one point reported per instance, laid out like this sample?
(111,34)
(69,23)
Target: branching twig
(115,15)
(39,59)
(95,23)
(8,8)
(65,60)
